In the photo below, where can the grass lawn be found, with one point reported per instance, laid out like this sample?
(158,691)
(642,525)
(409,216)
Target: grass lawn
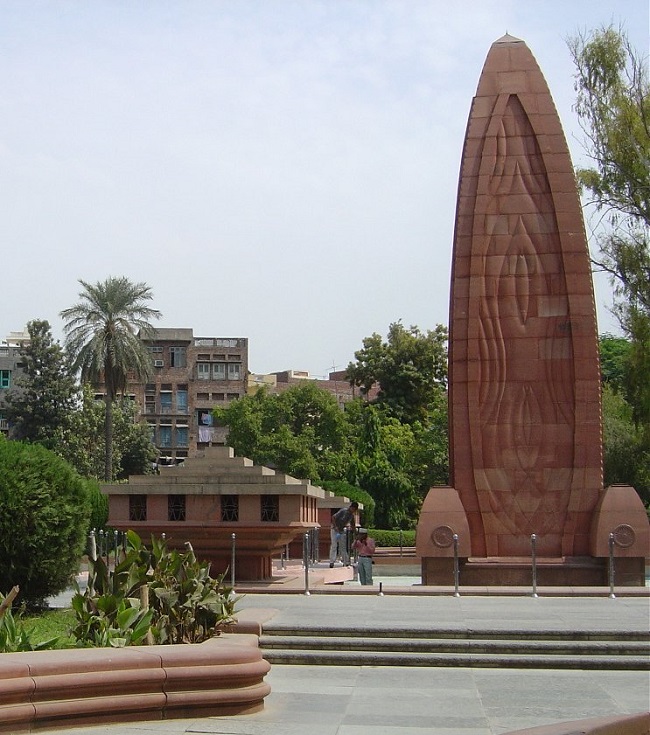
(51,624)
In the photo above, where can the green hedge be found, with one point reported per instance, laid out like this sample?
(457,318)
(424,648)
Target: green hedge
(392,538)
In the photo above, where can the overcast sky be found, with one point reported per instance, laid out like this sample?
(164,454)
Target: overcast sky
(282,170)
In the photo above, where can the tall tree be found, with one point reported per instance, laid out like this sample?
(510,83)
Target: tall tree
(613,105)
(104,333)
(39,404)
(83,442)
(302,431)
(410,368)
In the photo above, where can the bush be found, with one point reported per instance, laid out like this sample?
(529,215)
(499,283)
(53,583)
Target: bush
(44,513)
(392,538)
(156,596)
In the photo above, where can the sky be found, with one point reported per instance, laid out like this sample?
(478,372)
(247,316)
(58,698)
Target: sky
(281,170)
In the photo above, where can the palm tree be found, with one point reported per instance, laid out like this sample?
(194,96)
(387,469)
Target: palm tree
(103,335)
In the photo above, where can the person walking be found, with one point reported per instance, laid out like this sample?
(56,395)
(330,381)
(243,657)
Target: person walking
(365,547)
(342,520)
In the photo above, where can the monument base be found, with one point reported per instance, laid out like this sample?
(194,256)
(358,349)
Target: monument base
(518,572)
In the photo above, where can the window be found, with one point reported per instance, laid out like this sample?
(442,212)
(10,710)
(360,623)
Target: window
(218,371)
(175,507)
(182,436)
(165,436)
(270,508)
(137,507)
(203,357)
(181,400)
(166,402)
(5,378)
(229,508)
(202,396)
(203,371)
(152,432)
(149,404)
(234,371)
(233,396)
(178,357)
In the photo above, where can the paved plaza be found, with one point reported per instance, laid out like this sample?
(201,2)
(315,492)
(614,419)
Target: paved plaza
(354,700)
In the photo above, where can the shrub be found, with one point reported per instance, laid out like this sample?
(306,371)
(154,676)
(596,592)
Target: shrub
(156,596)
(392,538)
(44,515)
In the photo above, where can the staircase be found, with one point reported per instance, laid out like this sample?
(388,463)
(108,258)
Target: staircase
(439,647)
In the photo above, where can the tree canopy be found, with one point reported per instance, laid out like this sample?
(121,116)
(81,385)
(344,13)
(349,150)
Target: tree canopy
(613,106)
(409,367)
(39,404)
(103,335)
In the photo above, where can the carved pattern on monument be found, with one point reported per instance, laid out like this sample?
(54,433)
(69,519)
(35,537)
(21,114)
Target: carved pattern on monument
(443,536)
(525,397)
(624,536)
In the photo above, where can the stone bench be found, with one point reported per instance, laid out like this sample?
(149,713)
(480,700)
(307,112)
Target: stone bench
(78,686)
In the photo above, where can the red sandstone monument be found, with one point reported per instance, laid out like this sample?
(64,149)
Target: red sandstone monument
(525,411)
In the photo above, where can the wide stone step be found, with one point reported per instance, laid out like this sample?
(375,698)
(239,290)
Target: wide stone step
(430,633)
(543,649)
(474,660)
(457,646)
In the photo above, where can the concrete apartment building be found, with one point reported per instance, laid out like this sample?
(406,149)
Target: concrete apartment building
(191,376)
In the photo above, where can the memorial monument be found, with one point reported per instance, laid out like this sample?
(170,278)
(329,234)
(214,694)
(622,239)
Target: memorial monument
(524,397)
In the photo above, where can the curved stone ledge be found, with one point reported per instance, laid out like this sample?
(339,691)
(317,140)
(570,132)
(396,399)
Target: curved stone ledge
(224,675)
(638,724)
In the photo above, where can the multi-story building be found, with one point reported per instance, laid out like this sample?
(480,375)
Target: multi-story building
(10,369)
(191,376)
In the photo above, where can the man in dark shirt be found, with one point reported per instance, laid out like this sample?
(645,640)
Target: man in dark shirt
(343,519)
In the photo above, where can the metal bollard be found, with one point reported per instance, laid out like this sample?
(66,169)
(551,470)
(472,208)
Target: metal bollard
(612,596)
(401,542)
(232,562)
(92,545)
(305,559)
(381,591)
(533,542)
(456,567)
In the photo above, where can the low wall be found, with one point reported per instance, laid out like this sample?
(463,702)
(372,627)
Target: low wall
(638,724)
(78,686)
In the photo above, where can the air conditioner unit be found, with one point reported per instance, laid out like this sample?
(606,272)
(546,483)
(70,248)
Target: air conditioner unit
(159,363)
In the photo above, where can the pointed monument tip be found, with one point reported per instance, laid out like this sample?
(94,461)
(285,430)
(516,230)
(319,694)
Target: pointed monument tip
(508,39)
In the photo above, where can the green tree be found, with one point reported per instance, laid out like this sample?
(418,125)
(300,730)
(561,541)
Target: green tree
(301,431)
(613,105)
(614,358)
(103,335)
(626,458)
(44,511)
(42,398)
(410,369)
(83,442)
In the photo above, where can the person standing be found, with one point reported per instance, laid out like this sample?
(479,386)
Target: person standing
(365,547)
(342,520)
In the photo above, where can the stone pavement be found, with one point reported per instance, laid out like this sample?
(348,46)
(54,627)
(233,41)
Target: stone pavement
(354,700)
